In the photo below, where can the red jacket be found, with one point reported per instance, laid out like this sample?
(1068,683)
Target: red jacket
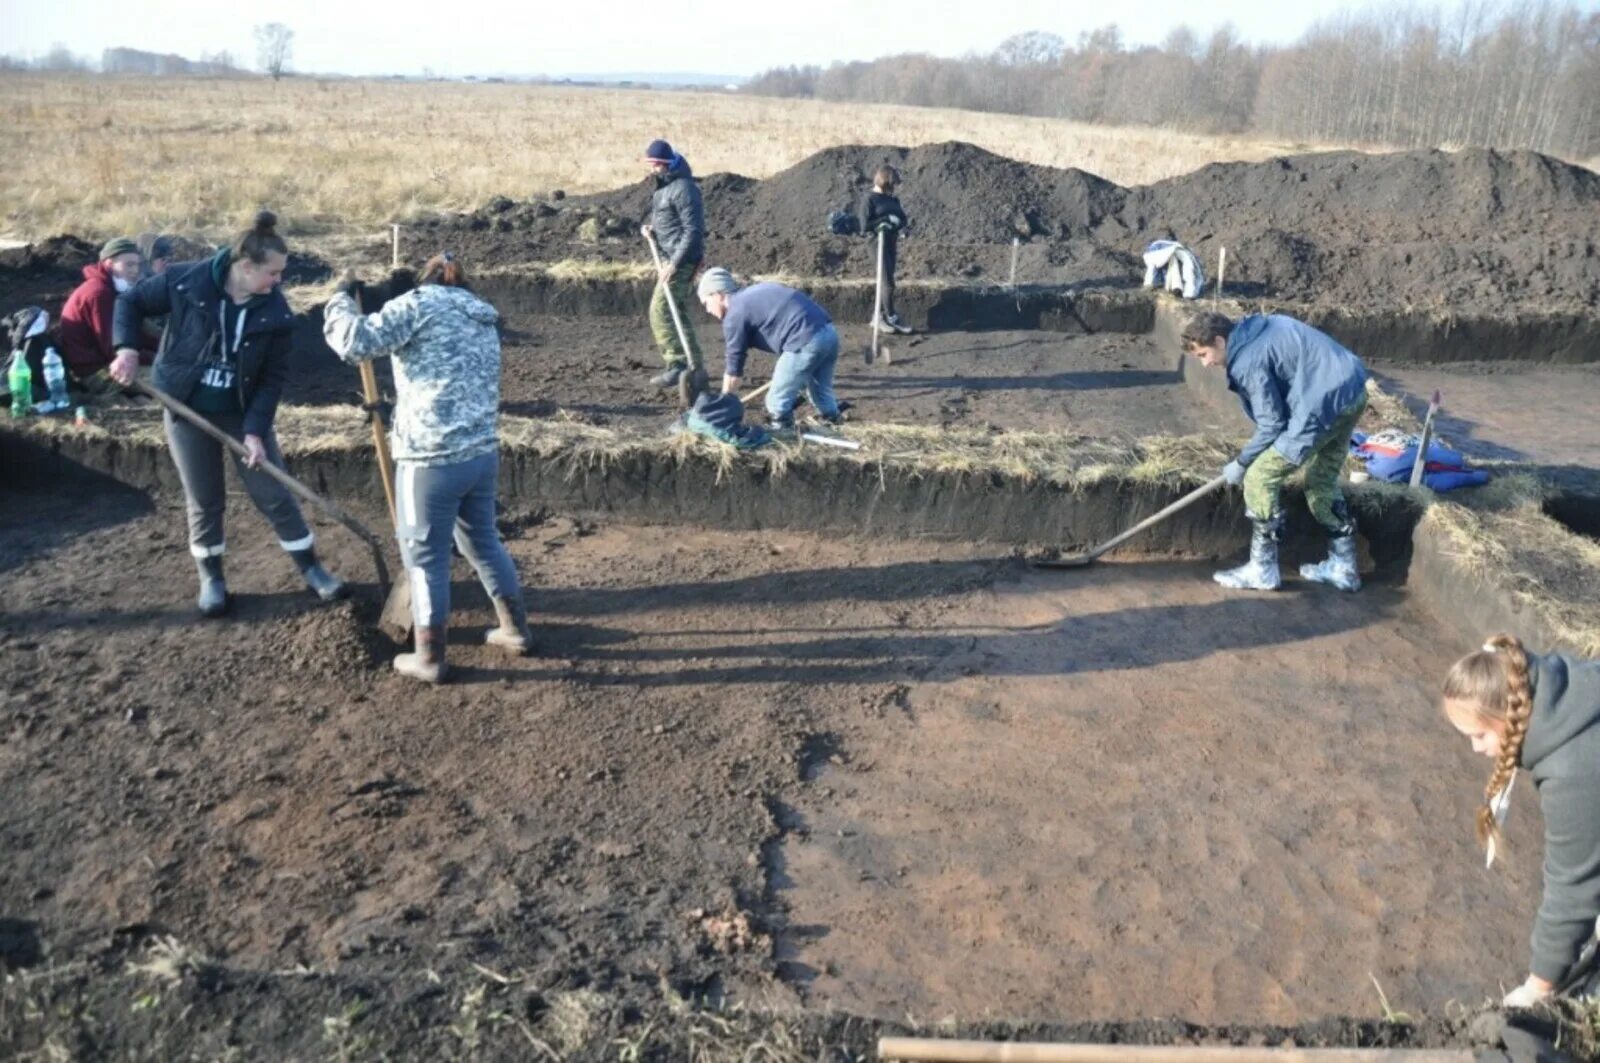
(85,332)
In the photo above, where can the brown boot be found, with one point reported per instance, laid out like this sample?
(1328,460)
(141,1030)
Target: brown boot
(512,635)
(427,663)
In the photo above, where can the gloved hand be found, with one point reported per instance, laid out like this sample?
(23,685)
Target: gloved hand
(1527,994)
(349,284)
(1233,472)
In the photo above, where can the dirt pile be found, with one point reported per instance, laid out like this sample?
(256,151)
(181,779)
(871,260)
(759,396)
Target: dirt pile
(1475,230)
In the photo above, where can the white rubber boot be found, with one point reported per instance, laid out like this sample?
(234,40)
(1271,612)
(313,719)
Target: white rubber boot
(1260,573)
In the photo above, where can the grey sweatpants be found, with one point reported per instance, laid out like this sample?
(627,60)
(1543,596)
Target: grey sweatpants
(199,461)
(435,503)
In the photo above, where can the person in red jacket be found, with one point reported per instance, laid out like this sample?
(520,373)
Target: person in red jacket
(85,330)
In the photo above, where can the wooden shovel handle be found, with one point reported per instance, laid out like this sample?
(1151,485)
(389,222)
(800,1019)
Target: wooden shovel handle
(380,438)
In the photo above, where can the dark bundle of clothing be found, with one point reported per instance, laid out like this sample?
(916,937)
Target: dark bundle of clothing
(721,417)
(28,330)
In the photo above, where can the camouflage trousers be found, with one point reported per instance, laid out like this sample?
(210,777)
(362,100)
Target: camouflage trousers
(661,326)
(1263,481)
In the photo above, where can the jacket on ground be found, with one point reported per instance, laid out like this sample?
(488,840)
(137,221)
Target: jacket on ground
(446,352)
(1293,381)
(84,334)
(678,216)
(191,296)
(1562,753)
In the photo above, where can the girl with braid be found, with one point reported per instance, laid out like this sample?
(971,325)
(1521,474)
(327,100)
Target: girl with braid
(1539,714)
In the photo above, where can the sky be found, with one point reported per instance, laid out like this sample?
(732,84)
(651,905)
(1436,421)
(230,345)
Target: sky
(735,37)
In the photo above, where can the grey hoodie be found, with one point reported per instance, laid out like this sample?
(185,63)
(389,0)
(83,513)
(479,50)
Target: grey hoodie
(446,354)
(1562,753)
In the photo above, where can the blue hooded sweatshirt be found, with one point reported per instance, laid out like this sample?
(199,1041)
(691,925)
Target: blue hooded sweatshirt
(1293,381)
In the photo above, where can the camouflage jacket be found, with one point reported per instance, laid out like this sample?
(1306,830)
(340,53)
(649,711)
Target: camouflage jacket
(446,355)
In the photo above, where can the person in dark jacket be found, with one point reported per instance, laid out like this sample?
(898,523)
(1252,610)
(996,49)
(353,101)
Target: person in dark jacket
(882,213)
(85,330)
(1539,714)
(224,352)
(1305,393)
(678,224)
(156,251)
(786,322)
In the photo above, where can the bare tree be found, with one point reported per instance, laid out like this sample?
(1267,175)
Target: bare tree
(1034,48)
(1491,73)
(274,44)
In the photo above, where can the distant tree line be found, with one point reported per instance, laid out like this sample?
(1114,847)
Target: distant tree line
(1482,73)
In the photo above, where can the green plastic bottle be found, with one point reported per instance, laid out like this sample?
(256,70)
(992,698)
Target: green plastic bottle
(19,381)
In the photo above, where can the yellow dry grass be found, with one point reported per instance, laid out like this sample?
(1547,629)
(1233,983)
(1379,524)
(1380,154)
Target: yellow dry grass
(103,156)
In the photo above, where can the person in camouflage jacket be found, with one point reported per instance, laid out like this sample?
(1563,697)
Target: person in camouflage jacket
(446,353)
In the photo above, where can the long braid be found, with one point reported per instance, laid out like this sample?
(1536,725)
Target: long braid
(1518,710)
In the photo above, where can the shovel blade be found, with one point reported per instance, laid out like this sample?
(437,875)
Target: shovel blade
(395,620)
(1070,561)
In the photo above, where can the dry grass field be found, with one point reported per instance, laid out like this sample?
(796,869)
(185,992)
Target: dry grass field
(120,155)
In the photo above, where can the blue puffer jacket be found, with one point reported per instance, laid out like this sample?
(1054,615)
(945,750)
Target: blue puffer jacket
(1293,380)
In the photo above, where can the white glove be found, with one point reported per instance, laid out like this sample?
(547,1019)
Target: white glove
(1526,995)
(1233,472)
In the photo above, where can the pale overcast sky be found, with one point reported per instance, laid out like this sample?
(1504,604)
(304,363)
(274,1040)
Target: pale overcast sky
(459,37)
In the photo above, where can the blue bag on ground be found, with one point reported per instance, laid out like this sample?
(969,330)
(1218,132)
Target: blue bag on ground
(1390,455)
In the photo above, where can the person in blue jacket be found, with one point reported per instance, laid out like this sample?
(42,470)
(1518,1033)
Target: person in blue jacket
(1305,393)
(787,322)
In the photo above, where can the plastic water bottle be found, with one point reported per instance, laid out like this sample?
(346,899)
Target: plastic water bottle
(19,380)
(55,378)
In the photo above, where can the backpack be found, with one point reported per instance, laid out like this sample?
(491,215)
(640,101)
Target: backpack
(843,223)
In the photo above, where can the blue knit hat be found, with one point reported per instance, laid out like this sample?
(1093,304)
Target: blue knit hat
(659,151)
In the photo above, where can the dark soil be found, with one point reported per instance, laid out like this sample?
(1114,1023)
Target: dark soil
(598,370)
(763,768)
(1476,230)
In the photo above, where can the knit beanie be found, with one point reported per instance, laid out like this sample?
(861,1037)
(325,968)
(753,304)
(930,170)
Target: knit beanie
(716,281)
(119,245)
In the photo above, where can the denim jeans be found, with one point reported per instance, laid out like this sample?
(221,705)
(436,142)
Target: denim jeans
(811,368)
(437,503)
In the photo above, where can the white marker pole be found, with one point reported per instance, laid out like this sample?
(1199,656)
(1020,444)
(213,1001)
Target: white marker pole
(1222,269)
(396,257)
(1016,245)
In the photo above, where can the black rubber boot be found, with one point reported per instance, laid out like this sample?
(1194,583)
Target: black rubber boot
(328,586)
(213,599)
(669,377)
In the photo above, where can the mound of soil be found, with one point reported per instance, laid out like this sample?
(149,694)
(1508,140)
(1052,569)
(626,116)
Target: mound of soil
(1475,230)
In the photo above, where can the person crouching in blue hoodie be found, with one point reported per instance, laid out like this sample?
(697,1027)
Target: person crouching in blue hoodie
(1306,394)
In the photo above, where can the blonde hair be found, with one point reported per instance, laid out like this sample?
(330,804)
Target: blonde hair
(1494,683)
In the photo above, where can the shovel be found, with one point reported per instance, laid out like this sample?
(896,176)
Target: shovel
(1420,464)
(692,383)
(1080,560)
(395,620)
(877,347)
(295,487)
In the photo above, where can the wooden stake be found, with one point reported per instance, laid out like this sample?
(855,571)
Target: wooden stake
(394,262)
(1222,268)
